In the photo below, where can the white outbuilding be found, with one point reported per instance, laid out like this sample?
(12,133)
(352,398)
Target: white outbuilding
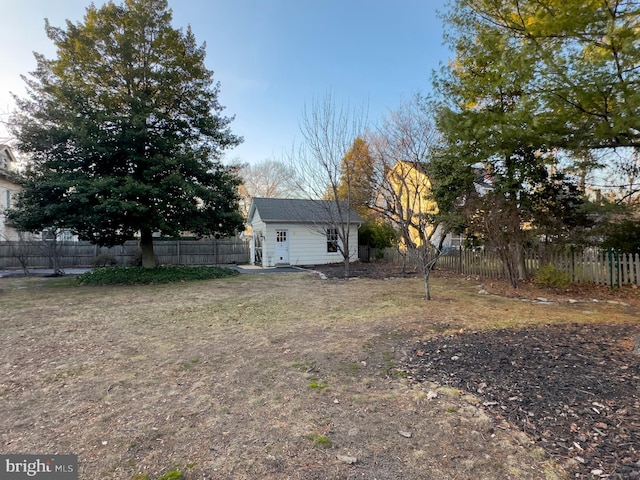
(288,231)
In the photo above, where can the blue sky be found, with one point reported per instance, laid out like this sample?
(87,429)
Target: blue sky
(271,57)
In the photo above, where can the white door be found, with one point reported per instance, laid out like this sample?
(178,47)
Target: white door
(282,247)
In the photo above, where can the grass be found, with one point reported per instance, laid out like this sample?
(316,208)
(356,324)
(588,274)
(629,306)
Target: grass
(225,375)
(319,441)
(317,385)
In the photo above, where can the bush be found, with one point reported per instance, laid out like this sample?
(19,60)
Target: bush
(623,235)
(552,276)
(376,235)
(141,276)
(103,260)
(136,260)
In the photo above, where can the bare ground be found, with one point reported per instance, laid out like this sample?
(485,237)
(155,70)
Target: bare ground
(275,376)
(574,388)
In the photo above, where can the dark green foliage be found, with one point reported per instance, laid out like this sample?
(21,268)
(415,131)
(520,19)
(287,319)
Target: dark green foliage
(376,235)
(623,235)
(558,211)
(138,276)
(535,88)
(125,133)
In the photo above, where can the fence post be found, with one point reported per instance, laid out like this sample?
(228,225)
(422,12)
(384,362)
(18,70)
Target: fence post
(614,261)
(618,268)
(573,264)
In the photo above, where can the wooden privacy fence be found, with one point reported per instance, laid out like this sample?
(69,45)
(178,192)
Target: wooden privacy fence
(40,254)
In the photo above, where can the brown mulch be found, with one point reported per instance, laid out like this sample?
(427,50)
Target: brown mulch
(574,389)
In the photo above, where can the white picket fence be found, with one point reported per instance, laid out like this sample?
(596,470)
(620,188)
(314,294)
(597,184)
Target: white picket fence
(598,266)
(592,265)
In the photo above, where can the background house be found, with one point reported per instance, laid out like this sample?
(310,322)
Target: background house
(288,231)
(8,188)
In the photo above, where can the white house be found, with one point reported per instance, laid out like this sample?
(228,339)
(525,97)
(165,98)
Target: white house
(286,231)
(8,188)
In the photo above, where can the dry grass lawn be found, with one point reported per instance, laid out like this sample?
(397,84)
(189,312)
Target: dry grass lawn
(282,376)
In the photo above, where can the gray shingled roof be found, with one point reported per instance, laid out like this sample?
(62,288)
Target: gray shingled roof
(295,210)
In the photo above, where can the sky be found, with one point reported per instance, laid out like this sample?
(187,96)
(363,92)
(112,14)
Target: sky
(273,58)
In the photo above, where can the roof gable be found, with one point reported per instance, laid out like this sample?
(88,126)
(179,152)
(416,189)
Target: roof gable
(296,210)
(7,163)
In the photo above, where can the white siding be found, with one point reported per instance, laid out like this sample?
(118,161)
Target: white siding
(307,245)
(258,228)
(7,190)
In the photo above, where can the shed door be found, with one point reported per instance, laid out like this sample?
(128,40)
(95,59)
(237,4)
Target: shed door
(282,247)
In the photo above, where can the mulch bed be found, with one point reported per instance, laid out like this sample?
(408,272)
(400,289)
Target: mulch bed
(575,389)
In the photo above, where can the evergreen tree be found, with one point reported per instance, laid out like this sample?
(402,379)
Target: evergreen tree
(125,132)
(532,82)
(356,184)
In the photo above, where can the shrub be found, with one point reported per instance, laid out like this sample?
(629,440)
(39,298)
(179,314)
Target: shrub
(552,276)
(136,260)
(104,259)
(623,235)
(140,276)
(376,235)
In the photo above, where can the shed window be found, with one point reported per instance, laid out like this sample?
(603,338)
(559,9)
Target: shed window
(332,240)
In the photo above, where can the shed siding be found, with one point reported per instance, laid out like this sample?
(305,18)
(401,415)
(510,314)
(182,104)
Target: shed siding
(307,246)
(258,232)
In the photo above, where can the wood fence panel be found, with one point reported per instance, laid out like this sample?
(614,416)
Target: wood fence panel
(596,266)
(83,254)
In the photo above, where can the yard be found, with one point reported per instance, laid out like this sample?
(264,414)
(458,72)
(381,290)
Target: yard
(294,376)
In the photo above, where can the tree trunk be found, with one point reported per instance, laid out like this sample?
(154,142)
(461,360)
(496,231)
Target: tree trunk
(149,259)
(427,286)
(522,262)
(346,254)
(346,267)
(510,263)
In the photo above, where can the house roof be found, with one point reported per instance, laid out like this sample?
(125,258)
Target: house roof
(296,210)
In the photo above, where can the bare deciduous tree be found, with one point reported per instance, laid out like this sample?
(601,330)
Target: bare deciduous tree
(267,179)
(328,133)
(402,147)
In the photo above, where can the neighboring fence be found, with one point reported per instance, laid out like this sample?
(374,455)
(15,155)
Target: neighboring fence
(39,254)
(592,265)
(599,266)
(371,254)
